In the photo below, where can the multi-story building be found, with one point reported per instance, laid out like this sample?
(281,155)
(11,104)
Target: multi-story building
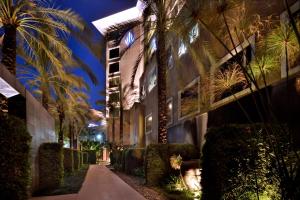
(199,65)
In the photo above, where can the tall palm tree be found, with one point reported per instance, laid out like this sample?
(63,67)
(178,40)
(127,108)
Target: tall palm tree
(26,22)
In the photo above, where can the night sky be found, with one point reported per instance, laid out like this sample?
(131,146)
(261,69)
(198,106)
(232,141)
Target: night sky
(91,10)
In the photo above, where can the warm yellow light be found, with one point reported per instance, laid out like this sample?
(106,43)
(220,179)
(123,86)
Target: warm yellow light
(170,106)
(297,85)
(192,179)
(150,119)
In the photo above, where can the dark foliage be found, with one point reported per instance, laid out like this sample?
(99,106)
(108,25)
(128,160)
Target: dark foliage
(157,160)
(133,160)
(51,168)
(76,157)
(68,161)
(14,158)
(92,157)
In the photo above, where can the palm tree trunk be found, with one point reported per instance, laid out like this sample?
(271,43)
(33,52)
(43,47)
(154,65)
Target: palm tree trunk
(70,135)
(161,74)
(3,104)
(61,132)
(9,48)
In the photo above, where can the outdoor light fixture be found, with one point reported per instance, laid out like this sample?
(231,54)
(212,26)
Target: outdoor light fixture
(99,137)
(129,39)
(6,89)
(297,84)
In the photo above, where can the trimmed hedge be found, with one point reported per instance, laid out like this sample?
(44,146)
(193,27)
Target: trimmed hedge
(51,168)
(85,157)
(92,158)
(14,158)
(133,159)
(76,157)
(157,160)
(68,161)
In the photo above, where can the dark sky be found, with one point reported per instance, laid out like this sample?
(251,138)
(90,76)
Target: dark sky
(91,10)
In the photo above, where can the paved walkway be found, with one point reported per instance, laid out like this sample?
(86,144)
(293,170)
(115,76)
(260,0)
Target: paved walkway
(100,184)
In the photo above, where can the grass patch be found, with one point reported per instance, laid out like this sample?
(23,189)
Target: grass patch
(71,184)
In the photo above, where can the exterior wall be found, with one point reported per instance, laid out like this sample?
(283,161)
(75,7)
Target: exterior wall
(41,126)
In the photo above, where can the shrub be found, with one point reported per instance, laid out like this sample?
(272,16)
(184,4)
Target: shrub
(14,158)
(92,158)
(76,157)
(68,161)
(133,159)
(50,165)
(85,158)
(236,164)
(157,160)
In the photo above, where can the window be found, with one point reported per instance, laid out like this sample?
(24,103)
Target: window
(148,124)
(129,38)
(194,33)
(182,48)
(114,82)
(170,58)
(152,78)
(114,111)
(189,99)
(114,53)
(114,97)
(114,67)
(230,79)
(170,111)
(153,46)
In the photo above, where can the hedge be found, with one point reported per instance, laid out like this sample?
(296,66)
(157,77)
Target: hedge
(68,161)
(133,159)
(157,160)
(14,158)
(237,163)
(51,168)
(85,157)
(92,158)
(76,157)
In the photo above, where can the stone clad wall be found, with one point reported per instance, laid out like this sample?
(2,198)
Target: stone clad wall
(41,126)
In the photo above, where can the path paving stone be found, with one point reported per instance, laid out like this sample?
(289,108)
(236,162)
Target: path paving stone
(100,184)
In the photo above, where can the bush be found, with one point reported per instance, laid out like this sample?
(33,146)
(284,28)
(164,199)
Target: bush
(236,164)
(133,159)
(51,169)
(85,156)
(157,160)
(76,157)
(68,161)
(92,158)
(14,158)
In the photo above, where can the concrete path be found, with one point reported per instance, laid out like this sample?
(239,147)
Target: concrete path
(100,184)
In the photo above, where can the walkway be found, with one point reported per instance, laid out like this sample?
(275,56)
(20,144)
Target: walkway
(100,184)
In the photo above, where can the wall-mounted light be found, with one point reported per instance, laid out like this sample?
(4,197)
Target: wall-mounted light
(297,85)
(6,89)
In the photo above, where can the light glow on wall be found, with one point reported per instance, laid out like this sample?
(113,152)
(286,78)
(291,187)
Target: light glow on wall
(129,38)
(6,89)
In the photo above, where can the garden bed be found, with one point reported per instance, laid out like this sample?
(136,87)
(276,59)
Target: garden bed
(71,185)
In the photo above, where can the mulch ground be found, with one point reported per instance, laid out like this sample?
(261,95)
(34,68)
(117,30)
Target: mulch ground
(137,183)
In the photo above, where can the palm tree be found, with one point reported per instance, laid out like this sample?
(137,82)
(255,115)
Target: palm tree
(26,22)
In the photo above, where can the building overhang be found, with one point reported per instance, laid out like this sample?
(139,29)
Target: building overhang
(129,15)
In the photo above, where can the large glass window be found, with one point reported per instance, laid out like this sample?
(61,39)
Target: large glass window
(152,79)
(189,99)
(114,53)
(182,48)
(194,33)
(114,67)
(170,111)
(114,82)
(148,124)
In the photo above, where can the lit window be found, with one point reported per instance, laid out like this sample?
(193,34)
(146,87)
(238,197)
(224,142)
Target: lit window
(148,124)
(189,99)
(152,79)
(129,38)
(114,82)
(153,46)
(170,111)
(194,33)
(182,48)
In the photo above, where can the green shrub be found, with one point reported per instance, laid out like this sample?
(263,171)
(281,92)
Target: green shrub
(68,161)
(85,158)
(237,163)
(76,157)
(92,157)
(51,169)
(14,158)
(133,159)
(157,160)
